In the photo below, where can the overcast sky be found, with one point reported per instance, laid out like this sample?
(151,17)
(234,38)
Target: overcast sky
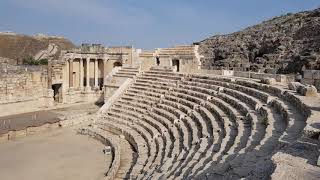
(142,23)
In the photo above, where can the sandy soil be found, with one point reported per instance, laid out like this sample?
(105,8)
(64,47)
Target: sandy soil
(57,155)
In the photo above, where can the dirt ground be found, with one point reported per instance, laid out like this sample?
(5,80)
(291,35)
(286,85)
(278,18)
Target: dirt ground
(56,155)
(38,118)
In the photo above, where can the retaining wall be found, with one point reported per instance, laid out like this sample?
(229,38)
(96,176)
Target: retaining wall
(31,130)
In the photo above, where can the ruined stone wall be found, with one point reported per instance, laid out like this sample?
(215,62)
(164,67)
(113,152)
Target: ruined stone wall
(21,91)
(75,96)
(21,87)
(127,50)
(147,60)
(189,66)
(312,77)
(278,77)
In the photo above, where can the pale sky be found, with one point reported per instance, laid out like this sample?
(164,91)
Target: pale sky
(142,23)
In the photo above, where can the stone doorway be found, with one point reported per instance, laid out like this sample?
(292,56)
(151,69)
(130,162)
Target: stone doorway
(176,64)
(57,93)
(158,60)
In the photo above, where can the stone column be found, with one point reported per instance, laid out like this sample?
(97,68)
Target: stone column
(71,73)
(104,61)
(96,73)
(88,88)
(81,74)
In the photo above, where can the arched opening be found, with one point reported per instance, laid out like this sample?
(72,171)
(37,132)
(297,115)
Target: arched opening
(57,92)
(117,64)
(176,64)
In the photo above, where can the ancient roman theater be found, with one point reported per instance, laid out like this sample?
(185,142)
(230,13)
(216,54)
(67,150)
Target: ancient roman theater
(97,112)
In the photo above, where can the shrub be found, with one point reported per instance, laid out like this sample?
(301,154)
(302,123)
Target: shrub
(31,61)
(43,61)
(265,121)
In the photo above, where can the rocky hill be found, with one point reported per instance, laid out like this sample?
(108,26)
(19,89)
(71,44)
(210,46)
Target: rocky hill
(17,46)
(284,44)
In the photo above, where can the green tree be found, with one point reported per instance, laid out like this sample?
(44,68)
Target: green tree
(31,61)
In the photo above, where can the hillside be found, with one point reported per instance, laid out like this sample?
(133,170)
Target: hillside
(284,44)
(17,47)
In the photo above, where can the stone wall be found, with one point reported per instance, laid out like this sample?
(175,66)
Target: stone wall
(12,135)
(187,56)
(22,91)
(147,62)
(312,77)
(115,150)
(246,74)
(31,130)
(75,96)
(116,93)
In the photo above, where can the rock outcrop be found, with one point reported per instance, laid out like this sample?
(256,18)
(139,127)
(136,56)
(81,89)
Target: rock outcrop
(284,44)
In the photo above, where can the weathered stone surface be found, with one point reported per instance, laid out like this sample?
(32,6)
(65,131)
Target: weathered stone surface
(269,81)
(307,81)
(291,167)
(295,86)
(317,84)
(309,91)
(284,44)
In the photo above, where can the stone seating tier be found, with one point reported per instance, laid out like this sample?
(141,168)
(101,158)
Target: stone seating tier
(186,126)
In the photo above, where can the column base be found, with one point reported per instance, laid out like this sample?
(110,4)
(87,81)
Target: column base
(87,89)
(96,88)
(71,89)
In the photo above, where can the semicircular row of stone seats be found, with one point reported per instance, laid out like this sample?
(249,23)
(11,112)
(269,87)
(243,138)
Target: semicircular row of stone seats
(186,126)
(105,139)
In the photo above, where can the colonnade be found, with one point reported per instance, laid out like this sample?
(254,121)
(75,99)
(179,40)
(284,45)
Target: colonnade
(84,72)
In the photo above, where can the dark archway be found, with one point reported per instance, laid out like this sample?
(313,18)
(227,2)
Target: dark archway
(57,92)
(158,60)
(176,64)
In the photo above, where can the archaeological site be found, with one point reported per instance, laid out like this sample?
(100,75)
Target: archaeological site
(244,105)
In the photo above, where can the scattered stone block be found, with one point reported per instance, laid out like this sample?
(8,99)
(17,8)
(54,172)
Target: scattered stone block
(309,91)
(269,81)
(122,136)
(295,86)
(107,150)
